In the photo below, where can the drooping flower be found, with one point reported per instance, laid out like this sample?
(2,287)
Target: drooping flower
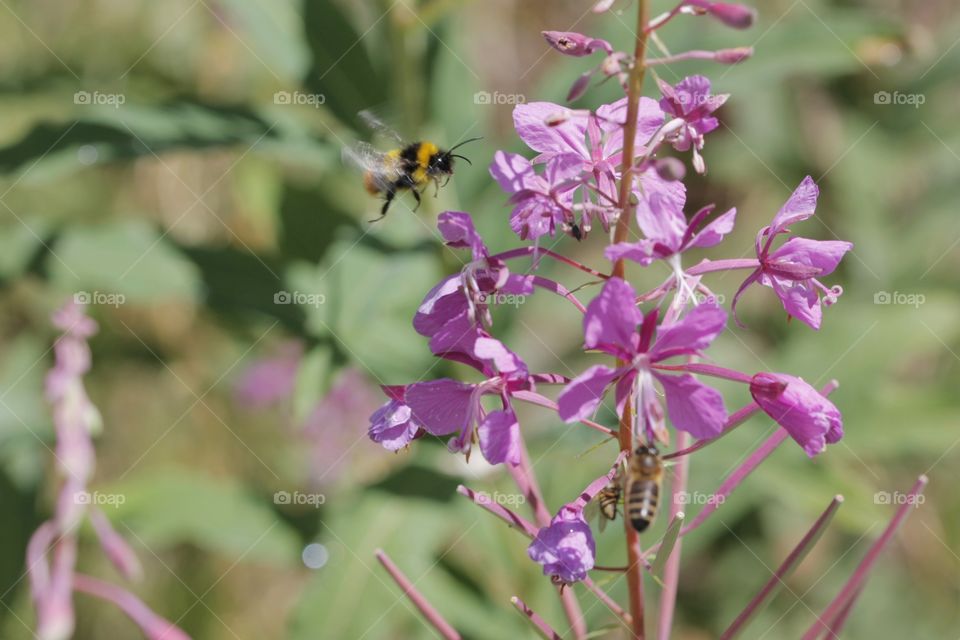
(466,295)
(566,548)
(611,325)
(792,269)
(667,232)
(810,418)
(691,101)
(392,426)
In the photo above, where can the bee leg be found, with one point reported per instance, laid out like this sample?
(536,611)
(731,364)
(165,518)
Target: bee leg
(386,205)
(436,188)
(416,195)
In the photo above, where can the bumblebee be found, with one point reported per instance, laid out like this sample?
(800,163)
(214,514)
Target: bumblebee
(412,166)
(642,487)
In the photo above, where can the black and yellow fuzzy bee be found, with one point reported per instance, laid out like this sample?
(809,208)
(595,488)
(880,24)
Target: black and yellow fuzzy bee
(412,166)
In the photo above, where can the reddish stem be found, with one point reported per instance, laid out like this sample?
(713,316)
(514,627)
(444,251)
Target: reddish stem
(431,614)
(525,251)
(668,598)
(538,623)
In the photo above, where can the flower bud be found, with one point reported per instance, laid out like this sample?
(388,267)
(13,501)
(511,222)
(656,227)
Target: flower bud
(579,87)
(571,43)
(810,419)
(670,169)
(733,56)
(737,16)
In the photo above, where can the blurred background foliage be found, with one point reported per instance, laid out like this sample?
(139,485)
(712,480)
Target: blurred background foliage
(182,180)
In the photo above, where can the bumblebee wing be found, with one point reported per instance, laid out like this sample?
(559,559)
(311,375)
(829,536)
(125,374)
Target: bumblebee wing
(377,125)
(368,159)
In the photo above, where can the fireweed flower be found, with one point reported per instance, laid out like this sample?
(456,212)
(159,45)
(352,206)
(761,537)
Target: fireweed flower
(792,269)
(542,202)
(566,548)
(691,102)
(466,294)
(611,326)
(810,419)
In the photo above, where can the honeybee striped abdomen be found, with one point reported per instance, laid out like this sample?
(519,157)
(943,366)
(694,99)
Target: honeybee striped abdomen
(643,487)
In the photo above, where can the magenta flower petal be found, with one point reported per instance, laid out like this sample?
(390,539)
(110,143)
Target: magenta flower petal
(642,251)
(823,255)
(662,218)
(801,205)
(494,352)
(581,397)
(810,418)
(392,426)
(531,122)
(799,298)
(457,230)
(441,406)
(499,435)
(443,303)
(713,233)
(694,332)
(611,320)
(693,406)
(566,548)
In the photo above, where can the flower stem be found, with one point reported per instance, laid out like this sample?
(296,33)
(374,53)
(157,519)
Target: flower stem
(538,623)
(668,598)
(432,615)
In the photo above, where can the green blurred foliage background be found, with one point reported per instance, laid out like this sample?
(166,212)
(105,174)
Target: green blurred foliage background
(146,152)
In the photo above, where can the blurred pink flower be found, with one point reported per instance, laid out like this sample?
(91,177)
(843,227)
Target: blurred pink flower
(269,381)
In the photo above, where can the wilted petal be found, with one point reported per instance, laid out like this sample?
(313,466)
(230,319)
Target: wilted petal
(694,332)
(810,418)
(566,548)
(499,435)
(801,205)
(612,317)
(693,406)
(581,397)
(441,406)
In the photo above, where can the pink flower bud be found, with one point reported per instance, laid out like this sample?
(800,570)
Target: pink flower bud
(737,16)
(572,43)
(602,6)
(733,56)
(670,169)
(579,87)
(810,419)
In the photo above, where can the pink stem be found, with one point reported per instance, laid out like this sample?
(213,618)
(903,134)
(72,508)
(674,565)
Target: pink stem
(734,420)
(597,485)
(698,54)
(785,569)
(859,576)
(706,370)
(560,290)
(525,251)
(153,626)
(668,599)
(711,266)
(431,614)
(837,625)
(607,600)
(514,520)
(538,623)
(535,398)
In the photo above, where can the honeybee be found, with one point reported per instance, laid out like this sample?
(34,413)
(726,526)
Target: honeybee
(604,505)
(410,166)
(642,486)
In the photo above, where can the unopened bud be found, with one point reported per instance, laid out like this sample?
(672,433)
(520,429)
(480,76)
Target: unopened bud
(611,65)
(733,56)
(737,16)
(602,5)
(579,87)
(670,169)
(572,43)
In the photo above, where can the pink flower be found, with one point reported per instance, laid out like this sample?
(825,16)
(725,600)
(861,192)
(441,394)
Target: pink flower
(269,381)
(611,325)
(810,418)
(566,548)
(691,102)
(792,270)
(542,203)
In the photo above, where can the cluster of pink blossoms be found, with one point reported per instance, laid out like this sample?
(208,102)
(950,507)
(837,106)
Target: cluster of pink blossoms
(658,338)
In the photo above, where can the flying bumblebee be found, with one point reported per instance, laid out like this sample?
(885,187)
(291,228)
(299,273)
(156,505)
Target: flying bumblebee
(642,486)
(411,166)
